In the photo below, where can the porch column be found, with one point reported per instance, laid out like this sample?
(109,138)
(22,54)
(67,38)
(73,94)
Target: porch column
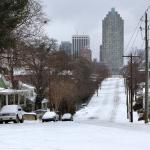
(14,99)
(18,99)
(24,100)
(6,99)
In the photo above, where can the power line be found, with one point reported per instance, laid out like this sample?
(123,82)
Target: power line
(136,30)
(135,38)
(137,27)
(141,29)
(142,45)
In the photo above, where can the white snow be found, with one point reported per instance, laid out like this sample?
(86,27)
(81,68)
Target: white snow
(109,105)
(31,95)
(21,71)
(45,101)
(66,116)
(48,115)
(102,125)
(72,136)
(9,109)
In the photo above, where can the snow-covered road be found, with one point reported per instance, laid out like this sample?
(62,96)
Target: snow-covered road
(109,105)
(72,136)
(102,125)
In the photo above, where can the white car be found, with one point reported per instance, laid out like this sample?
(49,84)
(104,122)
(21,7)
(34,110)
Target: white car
(11,113)
(67,117)
(50,116)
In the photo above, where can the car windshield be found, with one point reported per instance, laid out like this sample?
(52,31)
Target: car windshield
(9,109)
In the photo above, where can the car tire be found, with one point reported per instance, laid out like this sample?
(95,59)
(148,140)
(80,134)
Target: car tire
(22,120)
(6,122)
(1,122)
(42,120)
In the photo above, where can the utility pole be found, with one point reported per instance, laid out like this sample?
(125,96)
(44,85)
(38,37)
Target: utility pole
(127,96)
(130,109)
(146,71)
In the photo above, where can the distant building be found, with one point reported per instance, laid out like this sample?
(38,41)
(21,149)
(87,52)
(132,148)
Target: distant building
(95,60)
(111,50)
(79,42)
(66,47)
(86,53)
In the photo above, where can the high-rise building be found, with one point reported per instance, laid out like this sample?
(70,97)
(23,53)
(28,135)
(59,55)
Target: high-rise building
(111,50)
(66,47)
(79,42)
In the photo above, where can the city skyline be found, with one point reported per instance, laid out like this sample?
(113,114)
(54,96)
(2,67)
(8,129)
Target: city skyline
(85,17)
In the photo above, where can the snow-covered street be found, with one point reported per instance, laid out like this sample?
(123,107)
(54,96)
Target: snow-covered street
(109,105)
(72,136)
(102,125)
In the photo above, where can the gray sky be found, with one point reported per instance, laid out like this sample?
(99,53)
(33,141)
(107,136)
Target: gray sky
(69,17)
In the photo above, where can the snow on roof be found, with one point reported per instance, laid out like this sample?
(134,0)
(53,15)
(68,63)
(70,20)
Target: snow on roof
(44,100)
(21,71)
(12,91)
(143,70)
(49,114)
(23,85)
(9,108)
(66,116)
(29,113)
(66,72)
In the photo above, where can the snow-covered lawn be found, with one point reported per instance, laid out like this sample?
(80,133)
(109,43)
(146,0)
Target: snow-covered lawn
(102,125)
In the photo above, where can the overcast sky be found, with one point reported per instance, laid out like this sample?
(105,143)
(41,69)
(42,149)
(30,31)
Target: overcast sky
(69,17)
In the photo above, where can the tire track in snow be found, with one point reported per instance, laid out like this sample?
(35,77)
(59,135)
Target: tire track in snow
(116,103)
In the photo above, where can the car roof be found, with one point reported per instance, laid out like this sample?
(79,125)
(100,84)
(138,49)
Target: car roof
(10,108)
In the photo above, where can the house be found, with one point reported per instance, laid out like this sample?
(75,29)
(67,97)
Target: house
(24,95)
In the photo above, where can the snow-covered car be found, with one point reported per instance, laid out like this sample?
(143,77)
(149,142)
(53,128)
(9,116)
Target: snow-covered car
(50,116)
(67,117)
(11,113)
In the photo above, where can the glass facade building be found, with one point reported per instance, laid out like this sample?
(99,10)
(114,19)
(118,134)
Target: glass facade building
(79,42)
(111,50)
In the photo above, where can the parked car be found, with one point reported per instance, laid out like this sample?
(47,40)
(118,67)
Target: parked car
(67,117)
(50,116)
(11,113)
(40,113)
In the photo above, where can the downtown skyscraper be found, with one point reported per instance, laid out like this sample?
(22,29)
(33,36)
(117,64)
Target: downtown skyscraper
(66,47)
(111,50)
(79,42)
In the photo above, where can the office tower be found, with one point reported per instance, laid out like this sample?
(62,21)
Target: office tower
(111,50)
(79,42)
(66,47)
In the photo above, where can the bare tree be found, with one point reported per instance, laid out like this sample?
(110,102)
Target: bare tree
(35,59)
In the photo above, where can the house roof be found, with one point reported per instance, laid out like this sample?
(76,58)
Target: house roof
(13,91)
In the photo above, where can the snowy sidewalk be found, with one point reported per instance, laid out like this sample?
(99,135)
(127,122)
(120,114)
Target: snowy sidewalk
(109,105)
